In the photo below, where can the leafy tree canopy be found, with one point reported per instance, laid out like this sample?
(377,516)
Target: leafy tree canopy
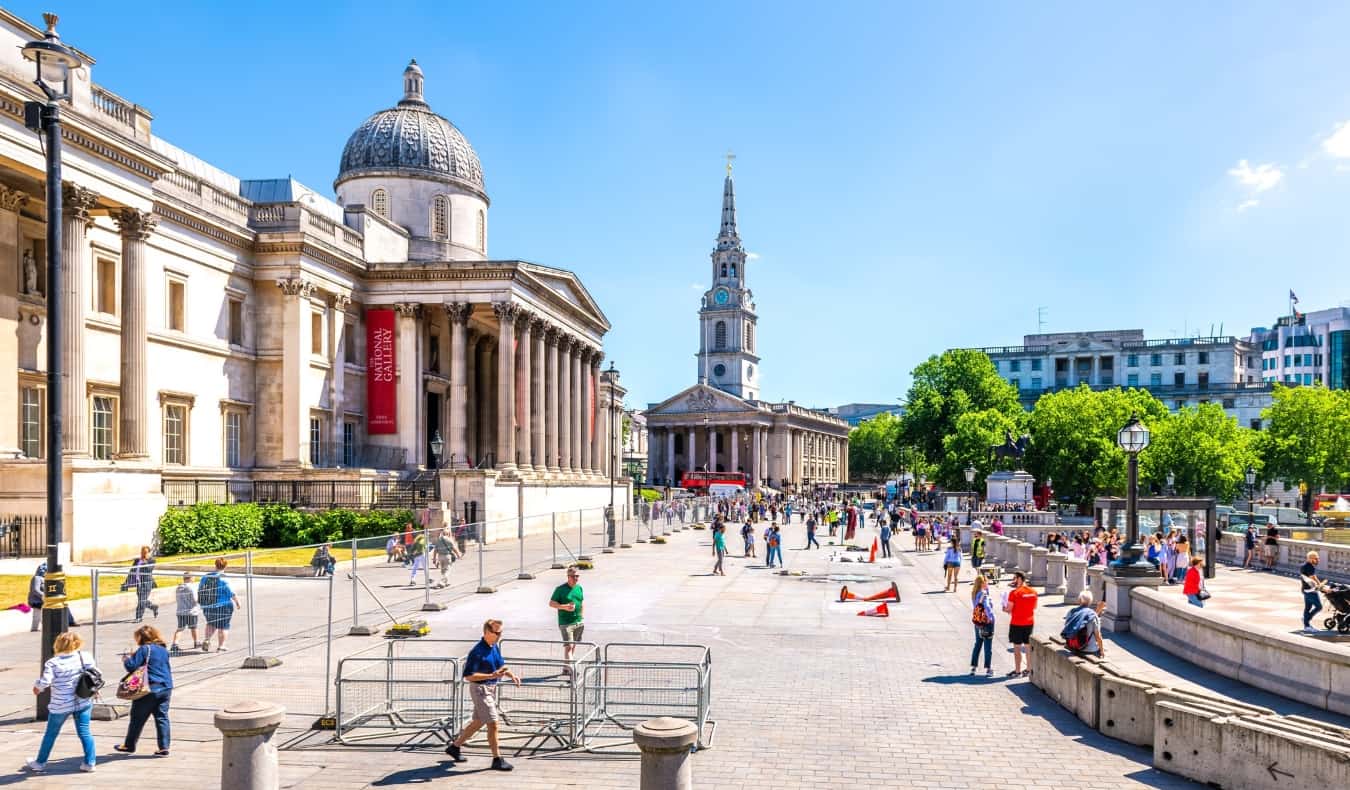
(946,387)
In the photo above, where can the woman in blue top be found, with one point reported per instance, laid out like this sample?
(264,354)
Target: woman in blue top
(218,603)
(154,656)
(982,617)
(951,562)
(61,673)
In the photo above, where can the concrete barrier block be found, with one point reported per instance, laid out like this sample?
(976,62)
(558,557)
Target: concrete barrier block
(1088,688)
(1257,755)
(1054,675)
(1338,695)
(1188,741)
(1200,699)
(1125,709)
(1273,662)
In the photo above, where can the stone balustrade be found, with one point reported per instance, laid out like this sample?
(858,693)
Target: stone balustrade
(1054,573)
(1075,578)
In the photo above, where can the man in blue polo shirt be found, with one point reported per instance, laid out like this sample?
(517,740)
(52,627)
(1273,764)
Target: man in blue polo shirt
(483,668)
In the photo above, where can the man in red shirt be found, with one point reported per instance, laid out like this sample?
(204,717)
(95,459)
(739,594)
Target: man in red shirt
(1022,608)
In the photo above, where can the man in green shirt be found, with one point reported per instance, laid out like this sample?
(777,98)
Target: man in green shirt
(567,599)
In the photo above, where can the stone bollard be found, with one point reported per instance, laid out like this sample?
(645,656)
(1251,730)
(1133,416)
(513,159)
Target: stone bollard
(1054,573)
(665,744)
(999,544)
(1095,583)
(248,757)
(1075,578)
(1024,558)
(1038,561)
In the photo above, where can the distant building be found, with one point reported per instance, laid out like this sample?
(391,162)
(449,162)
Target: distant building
(854,413)
(1306,348)
(635,445)
(1183,371)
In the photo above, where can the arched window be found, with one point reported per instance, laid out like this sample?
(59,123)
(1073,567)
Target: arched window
(749,336)
(379,202)
(440,218)
(482,231)
(720,335)
(724,270)
(733,270)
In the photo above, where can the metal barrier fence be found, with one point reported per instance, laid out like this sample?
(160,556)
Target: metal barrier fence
(378,494)
(635,682)
(23,536)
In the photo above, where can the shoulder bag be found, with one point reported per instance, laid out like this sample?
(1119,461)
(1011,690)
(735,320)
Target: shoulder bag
(90,680)
(136,683)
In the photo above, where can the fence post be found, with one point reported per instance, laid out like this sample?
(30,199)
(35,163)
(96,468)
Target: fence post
(357,629)
(328,652)
(482,587)
(253,661)
(93,613)
(553,528)
(427,604)
(582,556)
(623,531)
(520,529)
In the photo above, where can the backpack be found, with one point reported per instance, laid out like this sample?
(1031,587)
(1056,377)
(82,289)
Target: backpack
(208,591)
(1077,629)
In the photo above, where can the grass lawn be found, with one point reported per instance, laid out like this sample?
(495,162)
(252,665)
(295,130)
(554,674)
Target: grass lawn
(14,588)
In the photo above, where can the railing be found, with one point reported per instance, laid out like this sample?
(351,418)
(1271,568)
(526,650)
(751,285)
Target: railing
(991,350)
(113,106)
(23,536)
(391,494)
(272,214)
(1179,341)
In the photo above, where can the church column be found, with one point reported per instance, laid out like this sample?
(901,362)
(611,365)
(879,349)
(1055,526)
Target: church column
(691,452)
(712,448)
(409,383)
(457,316)
(136,227)
(525,390)
(735,459)
(506,385)
(565,343)
(19,267)
(538,380)
(756,461)
(338,391)
(668,472)
(75,221)
(552,397)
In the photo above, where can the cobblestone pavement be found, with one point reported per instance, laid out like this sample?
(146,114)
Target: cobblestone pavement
(806,693)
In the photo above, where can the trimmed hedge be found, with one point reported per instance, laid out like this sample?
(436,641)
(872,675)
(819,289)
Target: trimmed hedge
(206,528)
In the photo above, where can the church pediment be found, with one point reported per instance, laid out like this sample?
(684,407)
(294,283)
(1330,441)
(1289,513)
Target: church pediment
(700,399)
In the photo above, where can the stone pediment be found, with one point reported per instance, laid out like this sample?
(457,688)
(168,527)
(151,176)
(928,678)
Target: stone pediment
(567,286)
(700,399)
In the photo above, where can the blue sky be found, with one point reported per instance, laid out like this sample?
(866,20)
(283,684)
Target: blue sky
(911,176)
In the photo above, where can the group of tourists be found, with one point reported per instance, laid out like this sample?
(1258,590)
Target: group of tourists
(414,549)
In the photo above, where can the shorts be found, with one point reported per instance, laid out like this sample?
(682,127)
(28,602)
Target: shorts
(951,565)
(1019,634)
(219,618)
(188,620)
(1269,550)
(571,632)
(484,698)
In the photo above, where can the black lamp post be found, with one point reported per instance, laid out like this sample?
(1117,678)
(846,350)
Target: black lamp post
(53,62)
(1251,492)
(970,502)
(1132,438)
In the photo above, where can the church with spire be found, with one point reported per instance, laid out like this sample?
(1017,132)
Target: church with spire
(721,424)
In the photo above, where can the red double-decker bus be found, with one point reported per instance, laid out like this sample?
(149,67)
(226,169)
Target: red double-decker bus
(700,481)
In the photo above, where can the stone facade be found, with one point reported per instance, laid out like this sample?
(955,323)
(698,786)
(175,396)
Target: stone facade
(216,328)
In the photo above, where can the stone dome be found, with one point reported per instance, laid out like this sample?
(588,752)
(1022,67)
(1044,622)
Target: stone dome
(410,139)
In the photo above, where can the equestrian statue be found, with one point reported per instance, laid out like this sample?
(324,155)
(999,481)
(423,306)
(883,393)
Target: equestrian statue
(1009,449)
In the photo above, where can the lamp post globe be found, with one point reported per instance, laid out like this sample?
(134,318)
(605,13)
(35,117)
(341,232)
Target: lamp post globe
(1171,483)
(1133,438)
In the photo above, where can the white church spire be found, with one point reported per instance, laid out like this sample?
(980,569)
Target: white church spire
(728,237)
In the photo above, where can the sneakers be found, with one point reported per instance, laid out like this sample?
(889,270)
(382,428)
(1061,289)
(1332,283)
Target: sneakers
(500,764)
(454,753)
(973,670)
(87,768)
(34,767)
(989,673)
(1307,629)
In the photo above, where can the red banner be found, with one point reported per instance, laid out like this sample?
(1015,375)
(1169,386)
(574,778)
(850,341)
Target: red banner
(381,373)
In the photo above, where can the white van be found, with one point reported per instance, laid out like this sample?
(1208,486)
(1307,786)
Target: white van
(725,490)
(1290,516)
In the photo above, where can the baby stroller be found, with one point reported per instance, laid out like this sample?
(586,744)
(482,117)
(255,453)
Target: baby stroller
(1338,595)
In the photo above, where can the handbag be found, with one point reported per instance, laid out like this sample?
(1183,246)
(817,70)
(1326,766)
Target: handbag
(1203,594)
(89,682)
(135,684)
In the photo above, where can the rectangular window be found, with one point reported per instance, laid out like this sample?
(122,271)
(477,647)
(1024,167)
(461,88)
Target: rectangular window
(1015,365)
(236,322)
(1155,379)
(1180,358)
(1255,424)
(1132,379)
(1178,380)
(234,423)
(1286,360)
(1179,405)
(348,344)
(175,434)
(1016,384)
(1132,361)
(31,422)
(1108,363)
(315,441)
(1036,365)
(349,443)
(1202,357)
(316,333)
(1155,360)
(1202,378)
(1228,403)
(176,305)
(105,286)
(104,413)
(1035,383)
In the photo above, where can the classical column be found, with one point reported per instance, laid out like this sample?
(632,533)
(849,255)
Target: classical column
(668,473)
(574,422)
(596,414)
(410,435)
(457,440)
(136,227)
(471,400)
(337,393)
(565,343)
(524,386)
(75,221)
(552,397)
(583,412)
(487,402)
(538,380)
(506,384)
(18,267)
(756,460)
(295,346)
(712,449)
(691,452)
(735,449)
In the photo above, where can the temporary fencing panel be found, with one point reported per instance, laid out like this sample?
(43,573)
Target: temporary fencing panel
(635,682)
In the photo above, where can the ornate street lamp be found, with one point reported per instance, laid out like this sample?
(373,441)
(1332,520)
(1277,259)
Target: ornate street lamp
(1251,492)
(970,501)
(1171,483)
(1133,438)
(437,446)
(52,61)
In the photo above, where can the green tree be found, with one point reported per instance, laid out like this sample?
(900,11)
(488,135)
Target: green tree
(1308,438)
(1205,448)
(946,387)
(969,443)
(874,447)
(1073,438)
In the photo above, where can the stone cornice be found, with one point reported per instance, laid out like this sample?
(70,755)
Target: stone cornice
(232,235)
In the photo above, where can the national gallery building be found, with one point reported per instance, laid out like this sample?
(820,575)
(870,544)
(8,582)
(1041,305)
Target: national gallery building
(219,332)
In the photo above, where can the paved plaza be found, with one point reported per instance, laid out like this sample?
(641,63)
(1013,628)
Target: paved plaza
(805,693)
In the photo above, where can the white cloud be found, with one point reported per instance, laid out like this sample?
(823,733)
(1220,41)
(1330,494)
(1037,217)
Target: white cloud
(1338,144)
(1258,179)
(695,286)
(1246,204)
(752,256)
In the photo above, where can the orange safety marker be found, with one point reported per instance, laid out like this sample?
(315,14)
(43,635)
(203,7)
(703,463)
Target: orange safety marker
(845,595)
(881,610)
(892,594)
(872,556)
